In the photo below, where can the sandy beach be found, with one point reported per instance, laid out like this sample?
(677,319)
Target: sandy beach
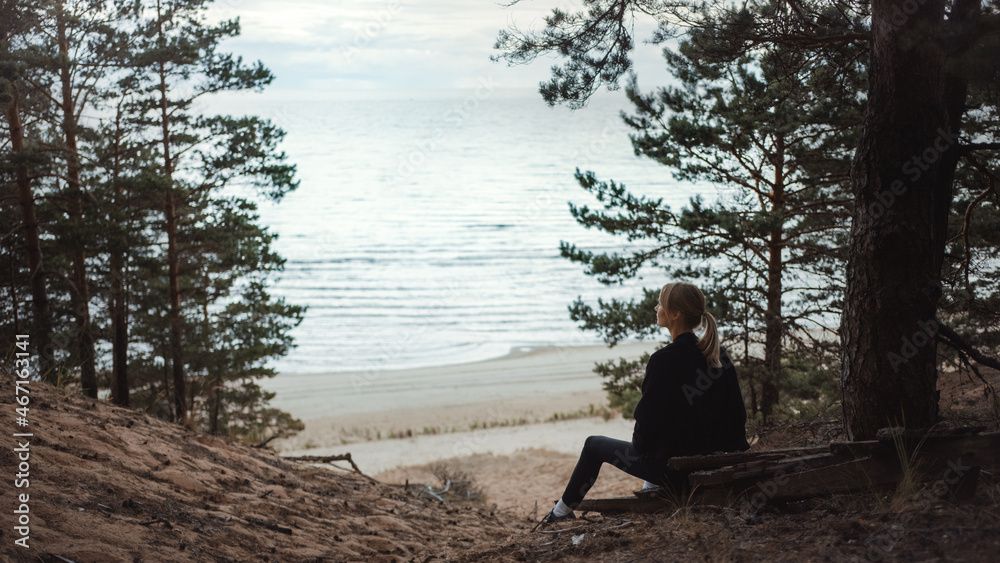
(523,373)
(536,406)
(526,387)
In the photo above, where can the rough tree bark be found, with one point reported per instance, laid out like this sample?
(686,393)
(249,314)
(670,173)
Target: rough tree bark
(42,333)
(775,267)
(173,268)
(84,334)
(173,259)
(902,178)
(118,302)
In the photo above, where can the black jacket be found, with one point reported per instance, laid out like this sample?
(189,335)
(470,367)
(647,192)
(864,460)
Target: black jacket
(686,407)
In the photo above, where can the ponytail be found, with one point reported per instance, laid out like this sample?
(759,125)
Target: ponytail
(690,302)
(709,342)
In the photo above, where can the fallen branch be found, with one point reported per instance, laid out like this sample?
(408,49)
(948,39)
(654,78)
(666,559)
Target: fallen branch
(326,459)
(156,521)
(265,442)
(270,526)
(428,491)
(560,531)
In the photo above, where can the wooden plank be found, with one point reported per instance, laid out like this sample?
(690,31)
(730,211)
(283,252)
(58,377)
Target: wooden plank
(952,457)
(623,504)
(696,462)
(859,449)
(916,434)
(886,446)
(981,450)
(864,474)
(950,460)
(837,477)
(765,469)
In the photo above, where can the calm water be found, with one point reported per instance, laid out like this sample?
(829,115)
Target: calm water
(426,227)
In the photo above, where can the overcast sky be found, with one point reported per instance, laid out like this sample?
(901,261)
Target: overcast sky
(322,45)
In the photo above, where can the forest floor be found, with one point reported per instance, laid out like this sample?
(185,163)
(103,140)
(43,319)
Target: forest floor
(113,484)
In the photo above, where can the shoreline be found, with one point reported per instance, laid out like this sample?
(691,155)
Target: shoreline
(513,352)
(551,370)
(543,398)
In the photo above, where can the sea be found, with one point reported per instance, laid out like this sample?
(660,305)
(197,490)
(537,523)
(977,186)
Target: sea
(426,226)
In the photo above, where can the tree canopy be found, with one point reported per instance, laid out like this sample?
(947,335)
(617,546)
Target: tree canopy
(932,71)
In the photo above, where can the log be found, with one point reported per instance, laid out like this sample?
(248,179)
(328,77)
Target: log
(864,474)
(948,461)
(860,449)
(696,462)
(763,469)
(624,504)
(981,450)
(916,434)
(954,461)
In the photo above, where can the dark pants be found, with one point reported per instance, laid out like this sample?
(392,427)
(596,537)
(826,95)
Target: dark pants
(598,450)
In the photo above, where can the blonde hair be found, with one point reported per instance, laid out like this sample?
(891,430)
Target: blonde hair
(689,301)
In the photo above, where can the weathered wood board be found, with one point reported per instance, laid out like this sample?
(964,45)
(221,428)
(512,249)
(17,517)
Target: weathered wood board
(952,457)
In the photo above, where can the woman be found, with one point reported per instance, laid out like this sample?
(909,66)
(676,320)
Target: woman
(691,404)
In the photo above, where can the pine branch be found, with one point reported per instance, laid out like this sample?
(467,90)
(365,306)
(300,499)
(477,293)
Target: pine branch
(948,336)
(971,147)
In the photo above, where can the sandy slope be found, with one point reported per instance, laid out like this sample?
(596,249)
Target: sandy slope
(516,482)
(109,484)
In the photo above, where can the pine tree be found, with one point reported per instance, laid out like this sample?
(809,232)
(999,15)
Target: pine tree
(774,129)
(238,325)
(70,49)
(927,64)
(925,61)
(18,22)
(126,178)
(80,67)
(181,64)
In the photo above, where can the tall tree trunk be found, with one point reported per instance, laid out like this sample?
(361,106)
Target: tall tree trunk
(42,326)
(214,375)
(216,401)
(752,383)
(119,327)
(118,302)
(173,261)
(166,381)
(772,315)
(14,301)
(772,327)
(176,327)
(902,179)
(84,336)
